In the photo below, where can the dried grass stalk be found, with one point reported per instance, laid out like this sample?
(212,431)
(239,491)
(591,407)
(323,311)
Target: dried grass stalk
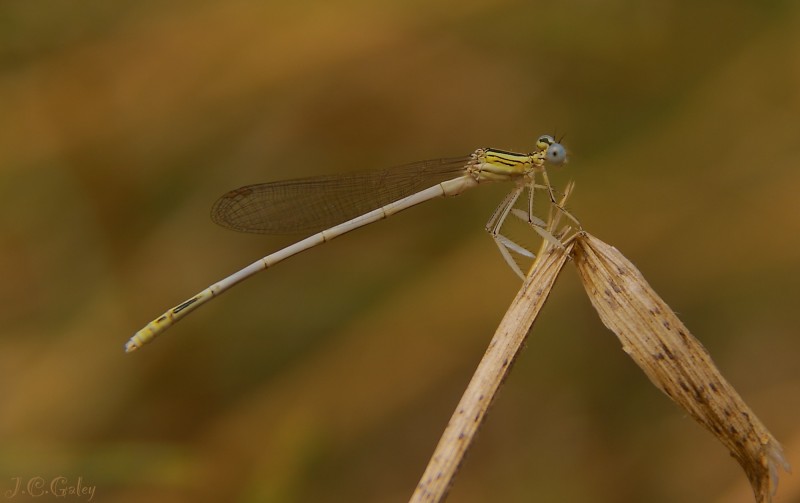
(491,371)
(675,361)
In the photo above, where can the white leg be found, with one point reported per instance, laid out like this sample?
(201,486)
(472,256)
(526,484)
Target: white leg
(496,222)
(555,203)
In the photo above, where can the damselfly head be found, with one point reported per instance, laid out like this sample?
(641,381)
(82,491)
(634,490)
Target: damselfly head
(554,152)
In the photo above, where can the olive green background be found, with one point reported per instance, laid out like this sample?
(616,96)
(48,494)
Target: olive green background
(330,378)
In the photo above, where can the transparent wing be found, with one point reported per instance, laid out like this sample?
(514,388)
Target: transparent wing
(316,203)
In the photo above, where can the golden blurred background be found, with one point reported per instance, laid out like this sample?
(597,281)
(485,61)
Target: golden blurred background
(331,377)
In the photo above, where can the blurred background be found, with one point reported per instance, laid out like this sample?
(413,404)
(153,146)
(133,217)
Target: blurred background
(330,377)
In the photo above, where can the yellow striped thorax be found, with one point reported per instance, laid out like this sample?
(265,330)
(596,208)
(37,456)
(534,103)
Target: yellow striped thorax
(489,164)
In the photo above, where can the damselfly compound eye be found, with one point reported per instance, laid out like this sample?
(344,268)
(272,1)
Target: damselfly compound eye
(556,153)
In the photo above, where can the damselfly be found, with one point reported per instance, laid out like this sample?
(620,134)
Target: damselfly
(330,206)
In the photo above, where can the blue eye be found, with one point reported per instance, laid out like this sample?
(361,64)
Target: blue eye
(556,153)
